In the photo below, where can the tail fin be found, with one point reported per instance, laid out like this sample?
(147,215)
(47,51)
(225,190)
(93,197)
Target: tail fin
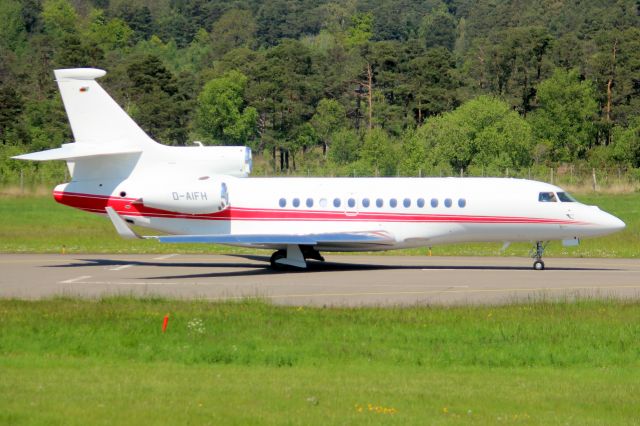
(94,116)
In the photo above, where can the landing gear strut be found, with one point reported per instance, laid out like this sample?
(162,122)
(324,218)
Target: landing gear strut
(538,264)
(294,257)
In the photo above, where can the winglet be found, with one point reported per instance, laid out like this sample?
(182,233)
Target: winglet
(121,226)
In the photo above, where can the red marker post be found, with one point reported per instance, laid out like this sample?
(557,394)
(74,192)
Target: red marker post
(165,323)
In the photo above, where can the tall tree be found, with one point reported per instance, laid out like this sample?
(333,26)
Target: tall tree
(236,28)
(564,120)
(160,106)
(483,133)
(330,117)
(222,114)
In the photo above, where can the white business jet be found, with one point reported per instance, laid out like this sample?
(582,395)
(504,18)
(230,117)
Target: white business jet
(203,195)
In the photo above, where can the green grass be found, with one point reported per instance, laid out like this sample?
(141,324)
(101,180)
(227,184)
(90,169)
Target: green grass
(37,224)
(40,225)
(106,361)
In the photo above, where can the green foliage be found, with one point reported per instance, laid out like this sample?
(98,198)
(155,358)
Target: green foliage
(626,144)
(432,84)
(10,114)
(361,29)
(236,28)
(161,101)
(330,117)
(378,153)
(12,31)
(439,29)
(565,119)
(420,59)
(60,19)
(222,115)
(345,146)
(482,133)
(109,34)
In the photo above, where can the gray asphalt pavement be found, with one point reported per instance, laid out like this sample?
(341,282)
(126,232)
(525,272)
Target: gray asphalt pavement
(342,280)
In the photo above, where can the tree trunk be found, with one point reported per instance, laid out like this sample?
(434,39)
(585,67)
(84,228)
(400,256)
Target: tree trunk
(370,87)
(275,159)
(610,89)
(281,159)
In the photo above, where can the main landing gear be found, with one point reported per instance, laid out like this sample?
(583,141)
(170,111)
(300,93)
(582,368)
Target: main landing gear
(294,257)
(538,264)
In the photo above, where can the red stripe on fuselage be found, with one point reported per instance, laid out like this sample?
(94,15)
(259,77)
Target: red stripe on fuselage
(126,206)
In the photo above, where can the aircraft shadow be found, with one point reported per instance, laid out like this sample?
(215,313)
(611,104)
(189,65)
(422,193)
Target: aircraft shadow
(257,269)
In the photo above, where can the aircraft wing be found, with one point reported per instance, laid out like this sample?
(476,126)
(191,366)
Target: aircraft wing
(331,238)
(267,240)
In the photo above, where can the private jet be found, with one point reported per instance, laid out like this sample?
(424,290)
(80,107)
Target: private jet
(203,194)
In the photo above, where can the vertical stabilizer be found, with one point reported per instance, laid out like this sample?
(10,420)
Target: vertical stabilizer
(94,116)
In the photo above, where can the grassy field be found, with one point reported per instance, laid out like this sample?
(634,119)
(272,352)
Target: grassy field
(67,361)
(38,224)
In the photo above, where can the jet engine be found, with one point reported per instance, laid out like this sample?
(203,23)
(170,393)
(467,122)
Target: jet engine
(208,195)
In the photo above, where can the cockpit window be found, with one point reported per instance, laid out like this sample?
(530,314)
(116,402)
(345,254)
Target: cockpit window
(547,197)
(566,198)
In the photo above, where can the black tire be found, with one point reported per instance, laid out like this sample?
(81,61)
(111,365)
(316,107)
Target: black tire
(280,254)
(538,265)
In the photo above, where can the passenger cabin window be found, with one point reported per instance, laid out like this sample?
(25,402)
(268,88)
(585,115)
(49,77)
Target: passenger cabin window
(434,202)
(379,203)
(462,203)
(547,197)
(406,202)
(447,202)
(393,202)
(323,202)
(336,202)
(351,203)
(296,202)
(365,202)
(309,202)
(566,198)
(420,202)
(282,202)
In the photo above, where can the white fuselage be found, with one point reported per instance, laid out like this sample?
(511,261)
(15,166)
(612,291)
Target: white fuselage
(415,211)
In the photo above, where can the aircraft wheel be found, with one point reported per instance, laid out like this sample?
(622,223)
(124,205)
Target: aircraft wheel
(280,254)
(538,265)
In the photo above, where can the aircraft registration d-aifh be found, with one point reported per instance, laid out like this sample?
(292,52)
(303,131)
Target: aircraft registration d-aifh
(203,195)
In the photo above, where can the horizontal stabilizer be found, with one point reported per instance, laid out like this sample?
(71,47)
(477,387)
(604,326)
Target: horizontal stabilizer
(73,151)
(283,239)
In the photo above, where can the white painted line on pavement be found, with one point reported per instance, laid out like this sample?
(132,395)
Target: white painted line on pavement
(73,280)
(168,256)
(121,267)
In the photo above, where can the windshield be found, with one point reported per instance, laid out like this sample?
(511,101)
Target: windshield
(547,197)
(565,197)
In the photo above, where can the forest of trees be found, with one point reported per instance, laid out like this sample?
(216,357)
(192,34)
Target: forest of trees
(366,87)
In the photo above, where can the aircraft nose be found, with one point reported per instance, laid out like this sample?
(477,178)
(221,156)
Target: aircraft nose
(611,223)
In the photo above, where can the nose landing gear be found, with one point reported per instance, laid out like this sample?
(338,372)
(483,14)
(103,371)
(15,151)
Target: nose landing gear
(538,264)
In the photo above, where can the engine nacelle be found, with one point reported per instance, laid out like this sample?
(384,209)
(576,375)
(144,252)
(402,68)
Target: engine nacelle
(199,197)
(204,160)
